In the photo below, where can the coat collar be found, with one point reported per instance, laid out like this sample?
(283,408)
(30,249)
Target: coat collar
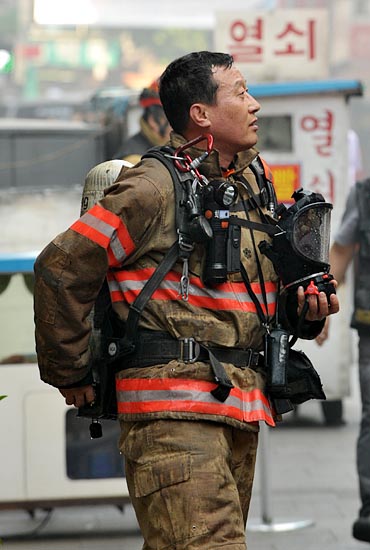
(211,166)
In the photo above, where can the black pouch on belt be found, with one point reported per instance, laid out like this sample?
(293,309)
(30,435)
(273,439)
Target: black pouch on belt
(302,382)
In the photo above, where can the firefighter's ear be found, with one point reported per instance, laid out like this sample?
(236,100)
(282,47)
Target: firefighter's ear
(199,115)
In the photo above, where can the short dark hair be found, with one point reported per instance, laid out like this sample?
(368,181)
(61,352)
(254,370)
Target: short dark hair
(188,80)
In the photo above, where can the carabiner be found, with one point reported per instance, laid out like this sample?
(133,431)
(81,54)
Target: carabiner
(185,163)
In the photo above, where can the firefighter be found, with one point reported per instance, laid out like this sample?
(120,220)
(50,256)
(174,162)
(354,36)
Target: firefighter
(154,126)
(190,394)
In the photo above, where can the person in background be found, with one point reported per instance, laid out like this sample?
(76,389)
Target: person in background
(332,409)
(191,394)
(154,126)
(352,244)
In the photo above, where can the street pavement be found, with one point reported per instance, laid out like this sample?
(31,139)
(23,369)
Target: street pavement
(305,496)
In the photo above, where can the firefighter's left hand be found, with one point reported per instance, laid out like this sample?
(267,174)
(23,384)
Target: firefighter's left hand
(318,305)
(79,397)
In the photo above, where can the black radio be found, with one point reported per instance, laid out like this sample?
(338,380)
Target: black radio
(218,196)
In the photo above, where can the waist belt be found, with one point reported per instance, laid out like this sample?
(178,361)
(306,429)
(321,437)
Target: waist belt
(157,347)
(152,348)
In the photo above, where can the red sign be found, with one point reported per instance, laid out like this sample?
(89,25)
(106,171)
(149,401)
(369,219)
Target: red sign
(276,45)
(287,178)
(322,131)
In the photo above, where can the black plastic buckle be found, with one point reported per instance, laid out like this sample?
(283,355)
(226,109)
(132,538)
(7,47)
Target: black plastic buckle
(222,391)
(189,350)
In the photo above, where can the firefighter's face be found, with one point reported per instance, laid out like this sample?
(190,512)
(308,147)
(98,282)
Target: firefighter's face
(233,121)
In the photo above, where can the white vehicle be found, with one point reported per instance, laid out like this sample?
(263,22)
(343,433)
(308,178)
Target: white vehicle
(47,456)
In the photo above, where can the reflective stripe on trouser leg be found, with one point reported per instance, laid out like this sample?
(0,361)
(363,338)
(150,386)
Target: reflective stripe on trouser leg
(190,482)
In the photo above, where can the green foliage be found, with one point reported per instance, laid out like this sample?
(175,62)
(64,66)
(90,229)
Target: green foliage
(2,397)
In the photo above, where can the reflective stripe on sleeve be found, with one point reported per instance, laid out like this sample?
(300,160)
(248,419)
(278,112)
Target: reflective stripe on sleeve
(108,231)
(143,395)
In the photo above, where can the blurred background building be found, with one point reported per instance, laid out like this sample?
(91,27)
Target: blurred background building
(79,57)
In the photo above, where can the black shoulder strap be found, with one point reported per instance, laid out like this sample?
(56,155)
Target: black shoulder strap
(267,196)
(127,343)
(165,155)
(178,249)
(256,226)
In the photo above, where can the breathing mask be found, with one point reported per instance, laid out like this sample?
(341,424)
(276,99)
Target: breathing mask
(300,250)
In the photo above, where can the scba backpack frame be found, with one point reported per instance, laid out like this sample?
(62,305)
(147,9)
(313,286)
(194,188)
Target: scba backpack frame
(112,339)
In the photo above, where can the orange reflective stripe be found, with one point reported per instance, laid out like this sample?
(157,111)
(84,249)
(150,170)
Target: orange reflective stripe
(107,230)
(127,285)
(199,301)
(144,274)
(142,395)
(90,233)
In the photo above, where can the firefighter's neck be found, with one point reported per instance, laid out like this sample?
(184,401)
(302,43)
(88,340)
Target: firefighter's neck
(226,158)
(226,161)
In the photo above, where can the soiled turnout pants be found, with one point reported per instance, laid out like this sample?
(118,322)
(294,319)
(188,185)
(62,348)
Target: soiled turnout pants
(190,482)
(363,442)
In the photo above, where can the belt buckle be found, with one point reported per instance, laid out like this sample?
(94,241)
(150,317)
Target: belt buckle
(250,360)
(189,350)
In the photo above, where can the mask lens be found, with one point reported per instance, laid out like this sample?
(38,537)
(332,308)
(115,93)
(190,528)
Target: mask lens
(311,232)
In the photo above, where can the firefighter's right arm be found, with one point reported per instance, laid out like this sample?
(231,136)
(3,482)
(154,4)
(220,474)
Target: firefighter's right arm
(71,270)
(68,275)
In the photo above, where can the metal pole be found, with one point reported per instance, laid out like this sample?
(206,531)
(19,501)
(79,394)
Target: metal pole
(267,524)
(264,449)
